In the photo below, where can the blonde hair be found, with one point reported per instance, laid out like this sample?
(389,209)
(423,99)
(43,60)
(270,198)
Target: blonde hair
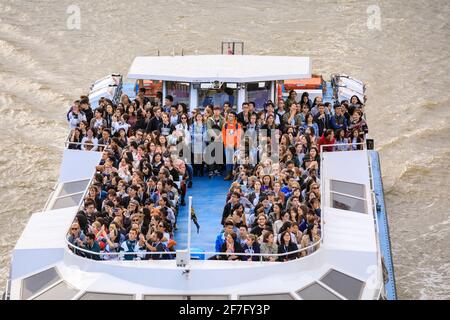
(97,225)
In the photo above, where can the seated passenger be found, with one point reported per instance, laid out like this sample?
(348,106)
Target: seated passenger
(326,139)
(75,116)
(284,217)
(76,137)
(243,233)
(341,141)
(91,245)
(98,120)
(293,117)
(309,123)
(356,140)
(286,227)
(155,244)
(338,120)
(166,127)
(309,222)
(287,246)
(119,123)
(230,247)
(230,206)
(261,225)
(112,243)
(310,236)
(89,142)
(355,103)
(269,247)
(220,238)
(131,246)
(251,246)
(76,235)
(358,123)
(322,119)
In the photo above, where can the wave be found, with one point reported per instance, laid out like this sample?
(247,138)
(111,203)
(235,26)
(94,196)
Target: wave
(422,133)
(422,167)
(17,89)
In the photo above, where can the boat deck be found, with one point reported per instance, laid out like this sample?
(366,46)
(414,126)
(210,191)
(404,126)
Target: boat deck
(208,200)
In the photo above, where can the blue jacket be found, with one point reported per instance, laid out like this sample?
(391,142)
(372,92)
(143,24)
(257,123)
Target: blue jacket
(334,124)
(220,240)
(254,249)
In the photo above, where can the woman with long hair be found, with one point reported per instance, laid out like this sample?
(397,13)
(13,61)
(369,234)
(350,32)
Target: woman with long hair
(286,246)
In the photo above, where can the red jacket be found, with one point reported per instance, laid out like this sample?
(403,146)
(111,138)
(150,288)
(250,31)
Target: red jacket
(323,141)
(231,134)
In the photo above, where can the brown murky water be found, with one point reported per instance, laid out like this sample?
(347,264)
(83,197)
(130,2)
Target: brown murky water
(44,65)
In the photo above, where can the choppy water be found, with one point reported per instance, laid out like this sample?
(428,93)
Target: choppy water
(44,65)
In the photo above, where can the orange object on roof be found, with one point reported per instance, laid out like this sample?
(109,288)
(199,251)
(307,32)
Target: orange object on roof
(312,83)
(152,87)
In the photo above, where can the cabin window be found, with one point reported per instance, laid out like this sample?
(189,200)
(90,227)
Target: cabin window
(347,286)
(208,297)
(316,292)
(348,196)
(276,296)
(62,291)
(207,94)
(192,297)
(259,93)
(164,297)
(68,201)
(73,187)
(39,281)
(353,189)
(343,202)
(105,296)
(180,91)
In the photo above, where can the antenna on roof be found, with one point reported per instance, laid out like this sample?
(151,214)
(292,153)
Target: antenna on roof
(173,51)
(182,52)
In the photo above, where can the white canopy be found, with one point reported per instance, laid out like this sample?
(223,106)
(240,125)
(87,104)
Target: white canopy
(224,68)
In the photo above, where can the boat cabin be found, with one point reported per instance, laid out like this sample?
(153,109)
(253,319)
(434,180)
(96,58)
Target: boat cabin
(215,79)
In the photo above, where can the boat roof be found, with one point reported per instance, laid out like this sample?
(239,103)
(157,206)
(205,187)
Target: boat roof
(223,68)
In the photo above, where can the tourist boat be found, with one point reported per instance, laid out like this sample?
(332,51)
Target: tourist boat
(354,259)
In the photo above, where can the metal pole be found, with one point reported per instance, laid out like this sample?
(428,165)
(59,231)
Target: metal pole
(189,227)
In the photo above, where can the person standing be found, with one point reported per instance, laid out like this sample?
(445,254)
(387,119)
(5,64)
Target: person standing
(214,126)
(198,138)
(231,134)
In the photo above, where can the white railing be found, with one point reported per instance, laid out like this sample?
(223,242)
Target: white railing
(67,143)
(203,253)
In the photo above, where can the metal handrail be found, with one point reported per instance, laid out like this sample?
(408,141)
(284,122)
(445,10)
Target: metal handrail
(264,254)
(322,211)
(86,144)
(116,253)
(202,253)
(68,142)
(343,144)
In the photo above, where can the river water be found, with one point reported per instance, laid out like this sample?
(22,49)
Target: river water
(399,48)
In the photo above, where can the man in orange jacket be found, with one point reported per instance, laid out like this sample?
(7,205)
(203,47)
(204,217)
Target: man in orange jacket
(231,136)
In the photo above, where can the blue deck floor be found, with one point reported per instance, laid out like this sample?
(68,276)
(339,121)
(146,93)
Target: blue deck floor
(208,200)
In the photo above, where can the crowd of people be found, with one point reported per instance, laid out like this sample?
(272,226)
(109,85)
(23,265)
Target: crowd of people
(152,149)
